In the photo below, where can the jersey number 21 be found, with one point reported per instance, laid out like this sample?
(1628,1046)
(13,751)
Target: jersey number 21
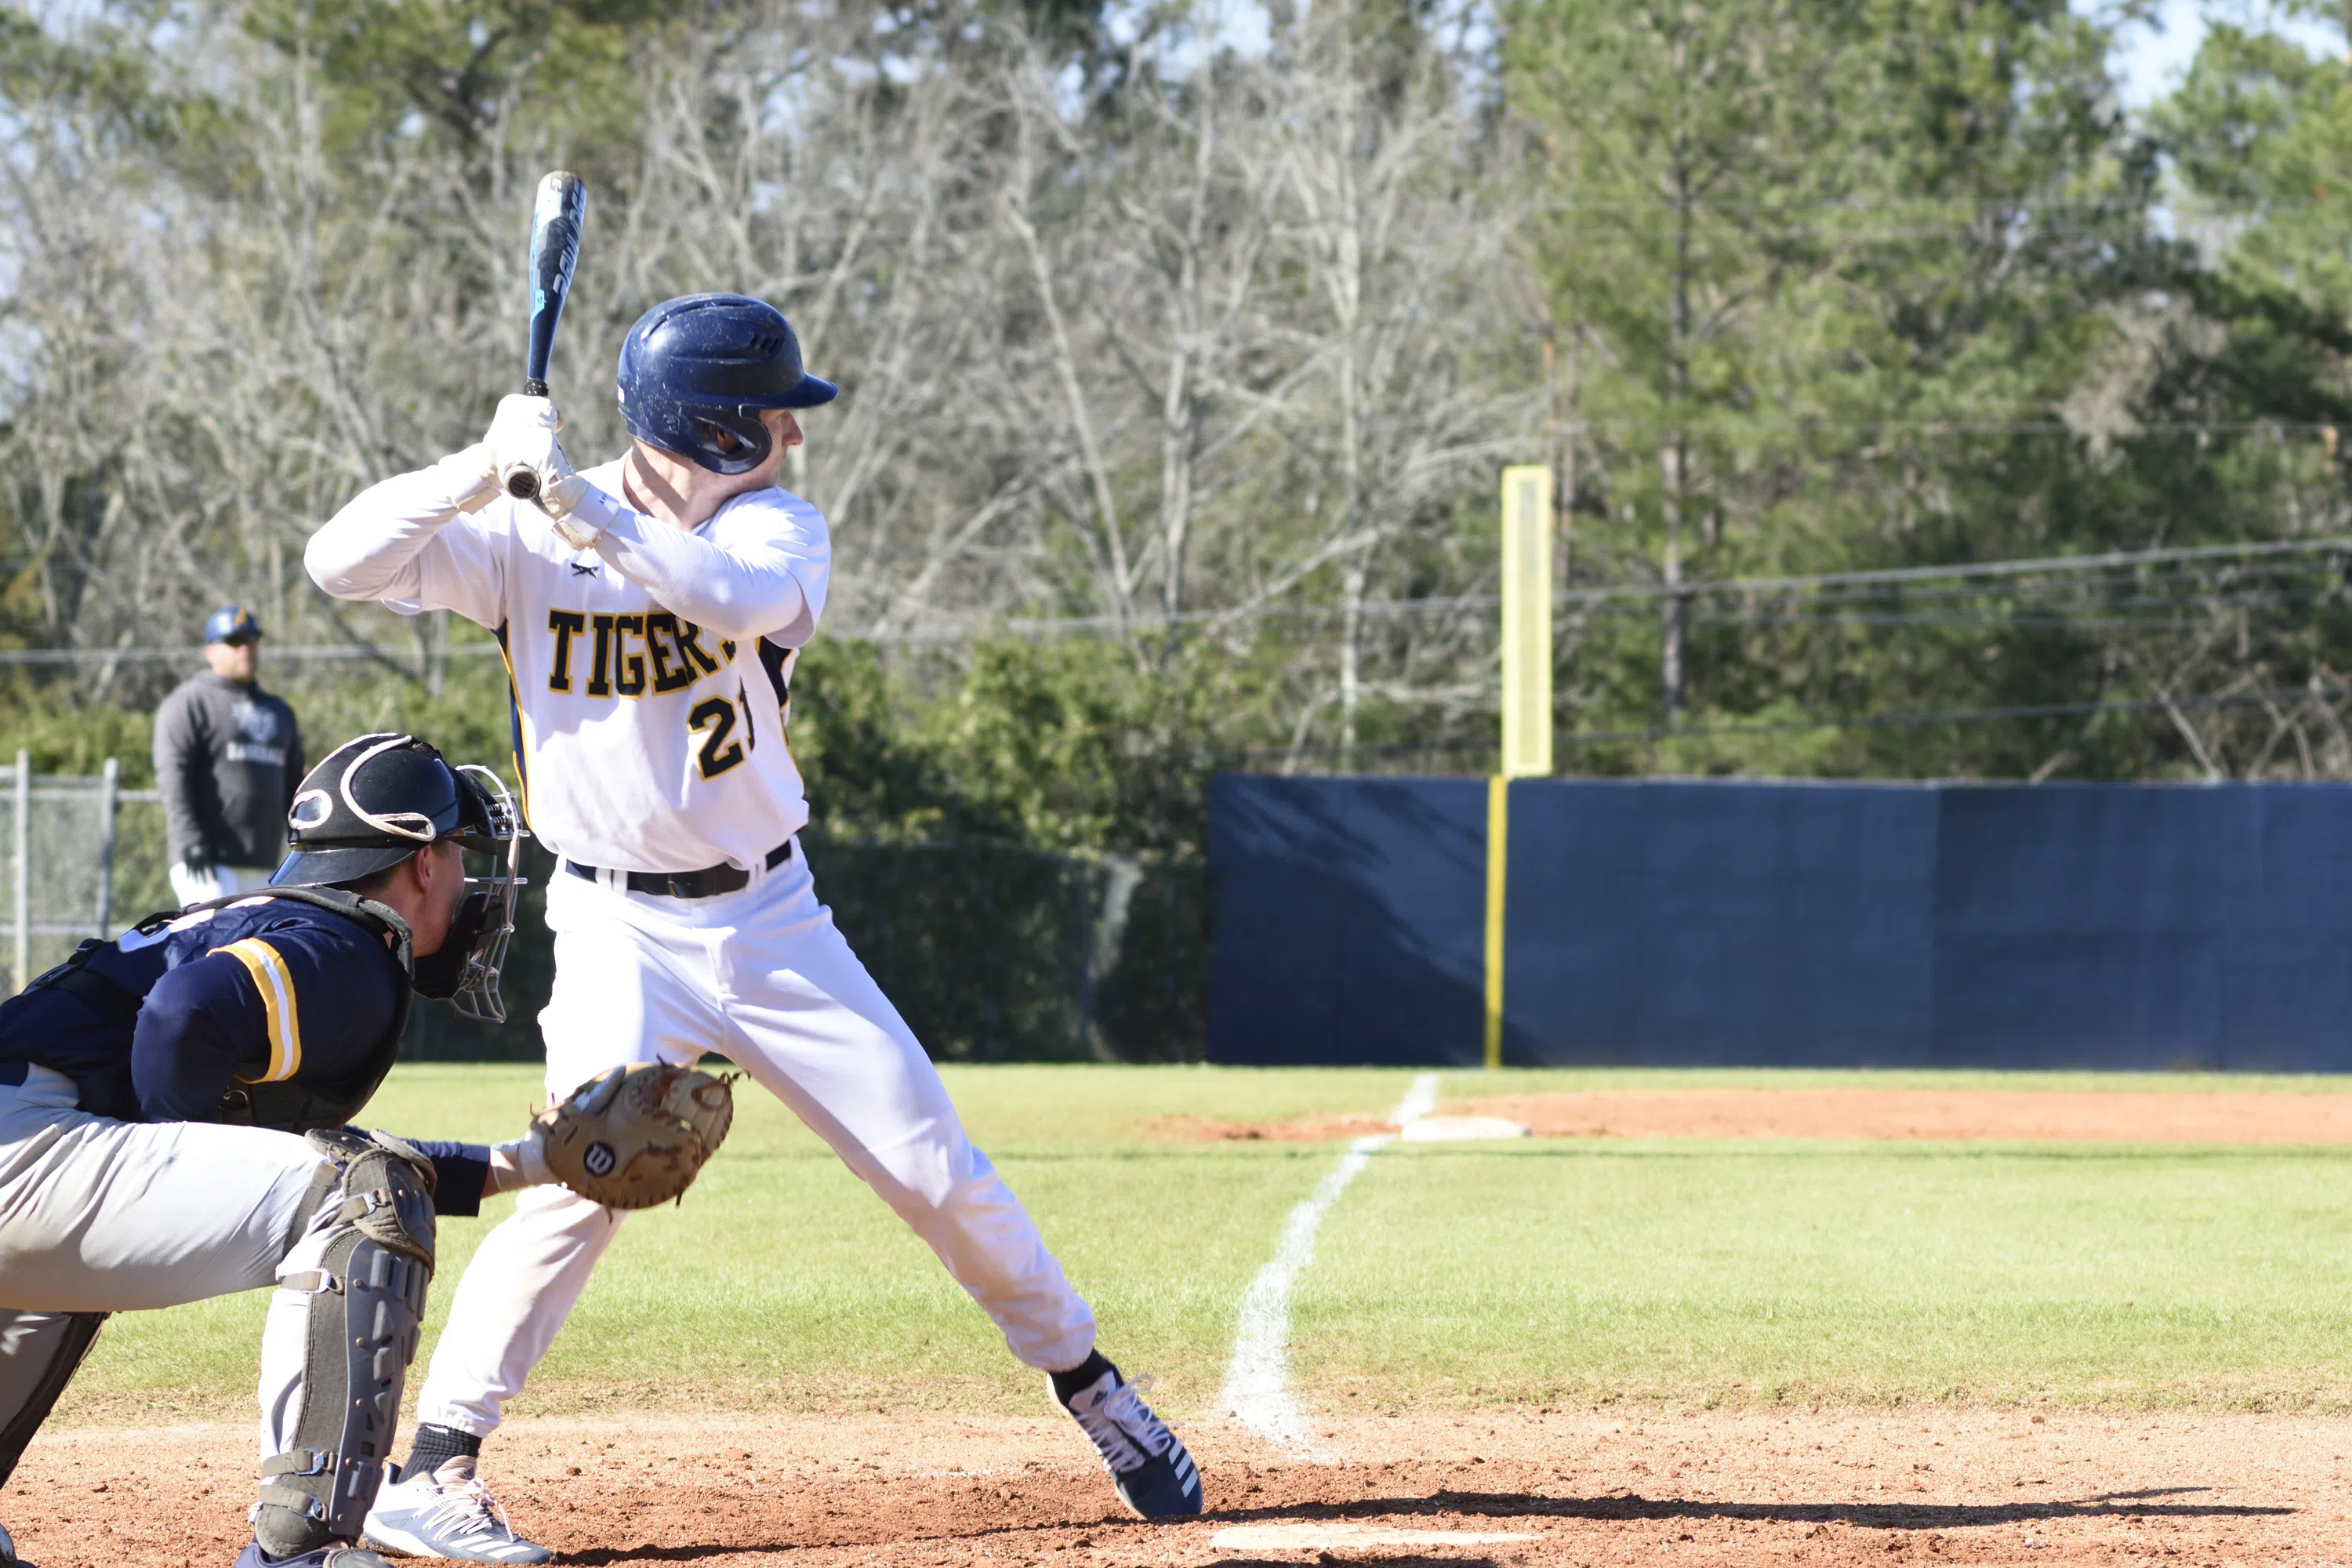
(716,715)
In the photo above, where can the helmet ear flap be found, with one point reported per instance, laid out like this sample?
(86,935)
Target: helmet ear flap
(748,451)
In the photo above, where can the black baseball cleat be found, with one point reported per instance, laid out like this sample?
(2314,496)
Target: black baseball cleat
(8,1558)
(1155,1477)
(253,1556)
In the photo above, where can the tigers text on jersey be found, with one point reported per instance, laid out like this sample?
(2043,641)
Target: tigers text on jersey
(647,742)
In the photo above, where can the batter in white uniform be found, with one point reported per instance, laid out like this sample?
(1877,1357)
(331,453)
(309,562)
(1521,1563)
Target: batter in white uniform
(651,610)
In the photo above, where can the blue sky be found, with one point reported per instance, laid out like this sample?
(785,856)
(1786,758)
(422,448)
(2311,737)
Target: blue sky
(2148,59)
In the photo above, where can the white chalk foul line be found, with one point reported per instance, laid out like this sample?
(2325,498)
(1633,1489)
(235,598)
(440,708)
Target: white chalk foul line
(1308,1536)
(1420,1101)
(1257,1381)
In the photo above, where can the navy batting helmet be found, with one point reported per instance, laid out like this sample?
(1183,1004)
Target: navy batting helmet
(697,372)
(231,623)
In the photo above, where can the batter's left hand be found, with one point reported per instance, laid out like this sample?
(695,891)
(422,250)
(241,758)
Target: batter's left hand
(522,436)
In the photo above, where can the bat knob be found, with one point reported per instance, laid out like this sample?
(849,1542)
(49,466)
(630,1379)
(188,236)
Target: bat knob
(523,483)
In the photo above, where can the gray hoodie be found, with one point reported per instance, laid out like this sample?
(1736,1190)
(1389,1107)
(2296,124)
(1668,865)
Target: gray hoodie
(227,758)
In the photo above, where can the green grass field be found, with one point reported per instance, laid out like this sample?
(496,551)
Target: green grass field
(1662,1271)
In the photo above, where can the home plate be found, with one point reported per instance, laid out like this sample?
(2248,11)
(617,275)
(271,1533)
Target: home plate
(1459,1129)
(1326,1537)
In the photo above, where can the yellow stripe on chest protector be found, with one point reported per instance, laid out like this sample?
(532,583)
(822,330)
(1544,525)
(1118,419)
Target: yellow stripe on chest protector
(276,988)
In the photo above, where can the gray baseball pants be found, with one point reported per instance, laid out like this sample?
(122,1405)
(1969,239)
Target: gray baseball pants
(99,1216)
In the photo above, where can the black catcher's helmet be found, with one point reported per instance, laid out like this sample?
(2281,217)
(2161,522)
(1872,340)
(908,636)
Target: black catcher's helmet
(374,802)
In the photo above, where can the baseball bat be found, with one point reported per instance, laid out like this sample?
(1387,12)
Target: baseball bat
(556,219)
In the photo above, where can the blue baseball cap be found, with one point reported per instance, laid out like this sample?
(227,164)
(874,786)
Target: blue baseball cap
(232,623)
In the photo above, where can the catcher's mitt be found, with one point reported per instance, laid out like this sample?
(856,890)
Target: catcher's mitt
(636,1136)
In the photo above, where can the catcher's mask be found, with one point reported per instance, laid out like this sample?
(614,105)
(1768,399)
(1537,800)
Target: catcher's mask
(376,801)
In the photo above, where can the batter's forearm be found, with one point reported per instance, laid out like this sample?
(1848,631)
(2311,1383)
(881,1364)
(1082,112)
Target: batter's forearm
(372,548)
(733,594)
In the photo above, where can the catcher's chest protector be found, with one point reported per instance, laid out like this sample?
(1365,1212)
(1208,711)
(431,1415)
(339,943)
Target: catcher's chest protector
(371,1256)
(313,1097)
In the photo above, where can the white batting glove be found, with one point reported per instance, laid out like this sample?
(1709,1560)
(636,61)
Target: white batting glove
(522,436)
(471,479)
(561,495)
(580,510)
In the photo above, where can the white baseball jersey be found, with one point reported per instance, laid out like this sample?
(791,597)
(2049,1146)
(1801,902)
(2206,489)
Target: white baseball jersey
(649,726)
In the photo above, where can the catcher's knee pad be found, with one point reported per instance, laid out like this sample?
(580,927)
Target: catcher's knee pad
(367,1304)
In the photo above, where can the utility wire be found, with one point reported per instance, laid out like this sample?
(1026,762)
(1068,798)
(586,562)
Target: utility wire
(1736,425)
(1960,715)
(1977,571)
(1650,591)
(193,654)
(2039,201)
(1837,582)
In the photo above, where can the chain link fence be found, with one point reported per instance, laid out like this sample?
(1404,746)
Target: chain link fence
(992,951)
(999,952)
(84,858)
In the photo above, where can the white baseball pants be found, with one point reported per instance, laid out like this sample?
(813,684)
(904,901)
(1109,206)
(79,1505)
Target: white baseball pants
(763,976)
(194,886)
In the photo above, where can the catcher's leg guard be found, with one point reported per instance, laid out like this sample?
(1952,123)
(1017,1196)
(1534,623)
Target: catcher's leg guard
(350,1300)
(38,1353)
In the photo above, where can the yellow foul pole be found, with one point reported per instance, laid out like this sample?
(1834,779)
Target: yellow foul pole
(1526,623)
(1527,698)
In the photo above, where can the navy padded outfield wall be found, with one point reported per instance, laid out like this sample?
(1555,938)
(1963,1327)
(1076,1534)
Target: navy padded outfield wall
(1691,923)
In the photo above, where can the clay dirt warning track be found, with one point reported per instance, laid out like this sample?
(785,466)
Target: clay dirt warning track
(1892,1114)
(1571,1488)
(1934,1115)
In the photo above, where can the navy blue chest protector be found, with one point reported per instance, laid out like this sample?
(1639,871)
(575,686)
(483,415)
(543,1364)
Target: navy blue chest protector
(291,1105)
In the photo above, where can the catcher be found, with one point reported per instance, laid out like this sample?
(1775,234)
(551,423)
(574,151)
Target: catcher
(172,1127)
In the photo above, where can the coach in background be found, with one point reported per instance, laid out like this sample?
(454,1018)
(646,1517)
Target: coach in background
(227,755)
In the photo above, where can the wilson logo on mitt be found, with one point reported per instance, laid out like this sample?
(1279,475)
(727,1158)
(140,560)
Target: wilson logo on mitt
(636,1136)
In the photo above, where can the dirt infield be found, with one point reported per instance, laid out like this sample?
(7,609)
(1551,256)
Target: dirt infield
(1896,1114)
(1574,1488)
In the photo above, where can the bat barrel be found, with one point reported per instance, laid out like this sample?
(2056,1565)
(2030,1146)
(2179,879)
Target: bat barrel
(556,219)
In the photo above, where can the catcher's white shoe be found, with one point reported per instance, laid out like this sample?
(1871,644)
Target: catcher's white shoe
(447,1512)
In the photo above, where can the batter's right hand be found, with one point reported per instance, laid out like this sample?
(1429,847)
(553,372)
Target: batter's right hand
(522,435)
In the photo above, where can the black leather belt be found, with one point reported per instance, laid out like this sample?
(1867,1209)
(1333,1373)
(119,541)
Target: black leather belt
(706,883)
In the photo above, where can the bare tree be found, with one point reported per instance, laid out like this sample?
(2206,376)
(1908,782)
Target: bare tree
(1198,347)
